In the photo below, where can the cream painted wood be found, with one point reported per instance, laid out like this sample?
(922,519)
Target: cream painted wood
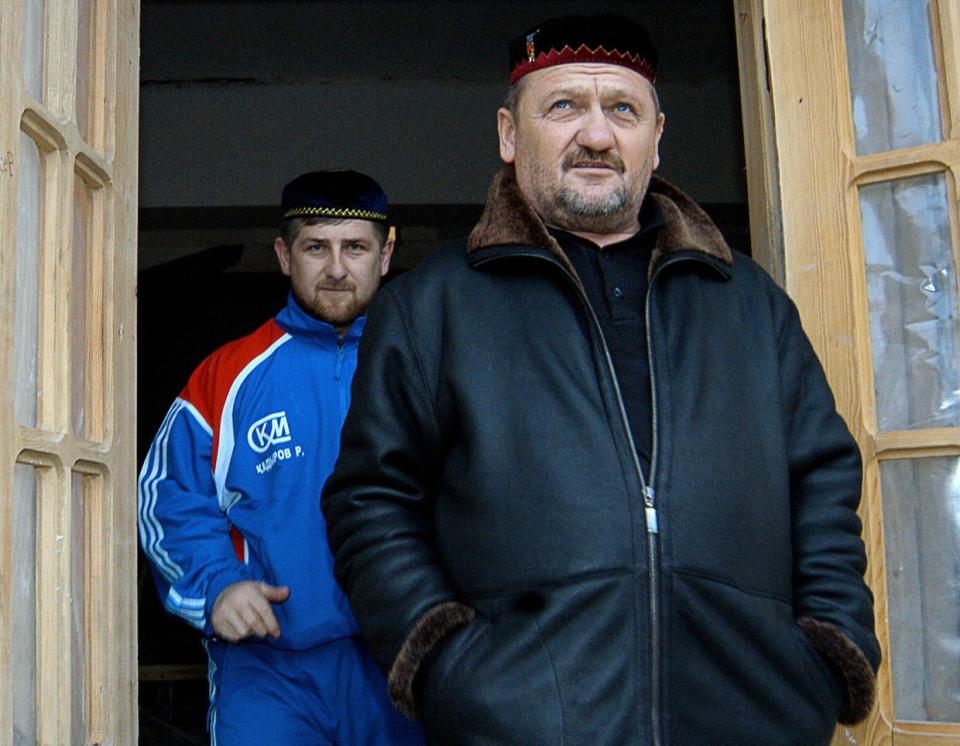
(948,30)
(763,190)
(86,522)
(824,266)
(10,22)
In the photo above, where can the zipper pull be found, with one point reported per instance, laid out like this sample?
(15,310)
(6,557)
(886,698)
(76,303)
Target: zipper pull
(652,526)
(651,512)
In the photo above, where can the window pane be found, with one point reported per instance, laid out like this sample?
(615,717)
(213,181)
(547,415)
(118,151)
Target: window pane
(82,216)
(912,291)
(24,632)
(32,52)
(28,282)
(81,494)
(893,78)
(84,68)
(921,518)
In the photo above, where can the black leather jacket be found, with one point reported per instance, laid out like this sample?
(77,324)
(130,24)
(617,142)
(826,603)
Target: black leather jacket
(514,571)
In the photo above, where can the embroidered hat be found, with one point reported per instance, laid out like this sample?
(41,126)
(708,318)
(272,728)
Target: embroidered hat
(334,194)
(612,39)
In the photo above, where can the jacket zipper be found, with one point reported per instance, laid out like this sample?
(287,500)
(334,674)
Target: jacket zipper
(653,529)
(650,509)
(649,499)
(338,374)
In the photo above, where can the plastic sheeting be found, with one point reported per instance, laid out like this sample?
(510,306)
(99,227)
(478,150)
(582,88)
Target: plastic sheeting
(28,287)
(82,334)
(912,291)
(893,79)
(32,50)
(921,510)
(23,666)
(84,510)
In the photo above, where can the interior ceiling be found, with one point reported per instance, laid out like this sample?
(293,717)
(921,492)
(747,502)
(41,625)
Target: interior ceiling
(391,39)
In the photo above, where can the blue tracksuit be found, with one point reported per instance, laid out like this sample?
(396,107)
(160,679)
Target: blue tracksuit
(229,491)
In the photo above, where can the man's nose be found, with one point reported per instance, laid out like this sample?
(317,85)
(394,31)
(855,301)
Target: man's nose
(596,132)
(335,269)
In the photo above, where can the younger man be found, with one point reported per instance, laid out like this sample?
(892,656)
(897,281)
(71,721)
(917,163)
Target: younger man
(228,492)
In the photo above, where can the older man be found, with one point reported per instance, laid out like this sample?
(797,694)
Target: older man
(227,493)
(593,488)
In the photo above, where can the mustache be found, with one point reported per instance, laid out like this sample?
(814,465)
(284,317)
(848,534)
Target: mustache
(345,285)
(587,158)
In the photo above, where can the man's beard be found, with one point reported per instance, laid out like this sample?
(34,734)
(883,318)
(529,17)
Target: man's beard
(609,205)
(595,213)
(605,213)
(336,314)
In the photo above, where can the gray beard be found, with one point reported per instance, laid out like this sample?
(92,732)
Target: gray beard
(605,214)
(599,207)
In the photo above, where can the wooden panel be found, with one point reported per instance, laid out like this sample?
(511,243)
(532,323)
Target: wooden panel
(913,444)
(823,268)
(820,176)
(948,17)
(11,23)
(926,734)
(120,384)
(83,446)
(763,189)
(906,162)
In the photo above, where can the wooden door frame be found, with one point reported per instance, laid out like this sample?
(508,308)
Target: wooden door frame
(103,158)
(803,177)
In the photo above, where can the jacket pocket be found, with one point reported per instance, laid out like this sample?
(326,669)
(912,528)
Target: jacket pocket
(742,671)
(493,683)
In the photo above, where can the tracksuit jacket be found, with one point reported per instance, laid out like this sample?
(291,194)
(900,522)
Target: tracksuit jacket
(229,489)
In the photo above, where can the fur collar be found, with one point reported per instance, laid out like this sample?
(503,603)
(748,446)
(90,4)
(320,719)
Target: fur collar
(508,219)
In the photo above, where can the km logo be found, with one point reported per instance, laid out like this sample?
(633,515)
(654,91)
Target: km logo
(268,431)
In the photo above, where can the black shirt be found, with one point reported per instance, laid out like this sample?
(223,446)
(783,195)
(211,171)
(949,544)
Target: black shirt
(615,280)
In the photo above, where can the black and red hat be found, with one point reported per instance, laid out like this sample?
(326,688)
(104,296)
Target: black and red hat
(610,39)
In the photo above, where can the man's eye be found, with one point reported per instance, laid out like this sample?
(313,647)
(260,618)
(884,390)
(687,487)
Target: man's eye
(623,108)
(561,105)
(356,248)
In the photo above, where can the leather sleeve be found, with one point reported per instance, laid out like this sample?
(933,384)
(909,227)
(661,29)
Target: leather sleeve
(831,598)
(379,501)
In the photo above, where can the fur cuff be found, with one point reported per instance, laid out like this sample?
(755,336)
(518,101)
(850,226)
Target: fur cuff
(429,630)
(849,663)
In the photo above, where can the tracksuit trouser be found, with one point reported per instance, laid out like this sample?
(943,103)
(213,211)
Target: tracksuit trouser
(330,694)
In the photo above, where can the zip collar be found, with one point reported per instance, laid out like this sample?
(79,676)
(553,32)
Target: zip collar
(298,323)
(508,220)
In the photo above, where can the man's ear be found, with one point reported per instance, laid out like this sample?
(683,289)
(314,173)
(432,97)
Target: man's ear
(387,252)
(282,251)
(507,131)
(656,146)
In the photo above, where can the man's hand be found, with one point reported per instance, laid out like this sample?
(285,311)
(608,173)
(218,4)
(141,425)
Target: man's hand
(243,610)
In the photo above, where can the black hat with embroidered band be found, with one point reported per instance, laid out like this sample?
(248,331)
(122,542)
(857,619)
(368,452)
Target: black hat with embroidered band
(609,39)
(347,195)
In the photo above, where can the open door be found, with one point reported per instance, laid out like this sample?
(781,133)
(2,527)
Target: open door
(68,199)
(864,119)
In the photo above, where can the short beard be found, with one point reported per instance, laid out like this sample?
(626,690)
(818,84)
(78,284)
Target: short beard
(603,214)
(602,209)
(339,318)
(574,211)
